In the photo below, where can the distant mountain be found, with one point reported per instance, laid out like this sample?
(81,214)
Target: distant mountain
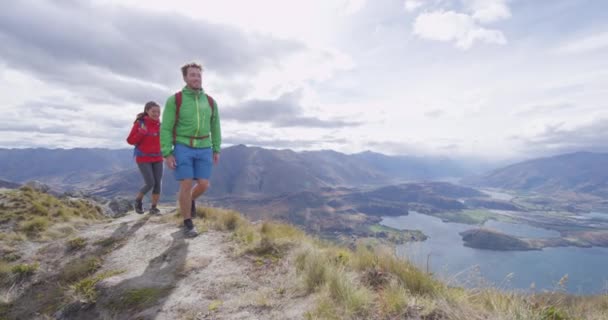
(242,170)
(581,172)
(419,168)
(8,184)
(62,168)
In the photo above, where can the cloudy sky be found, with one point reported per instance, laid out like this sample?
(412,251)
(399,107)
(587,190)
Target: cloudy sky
(498,79)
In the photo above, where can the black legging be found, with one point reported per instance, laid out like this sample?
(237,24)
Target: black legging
(152,173)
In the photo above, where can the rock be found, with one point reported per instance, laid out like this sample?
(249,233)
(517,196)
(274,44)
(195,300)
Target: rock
(41,187)
(75,194)
(38,186)
(73,310)
(119,206)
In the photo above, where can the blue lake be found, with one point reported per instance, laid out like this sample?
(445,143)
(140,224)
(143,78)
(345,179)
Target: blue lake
(587,268)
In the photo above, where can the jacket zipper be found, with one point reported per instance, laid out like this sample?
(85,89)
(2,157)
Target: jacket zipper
(198,116)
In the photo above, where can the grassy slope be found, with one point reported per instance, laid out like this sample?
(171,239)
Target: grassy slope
(365,283)
(371,283)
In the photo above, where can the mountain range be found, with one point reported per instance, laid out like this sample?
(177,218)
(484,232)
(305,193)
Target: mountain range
(242,170)
(245,171)
(581,172)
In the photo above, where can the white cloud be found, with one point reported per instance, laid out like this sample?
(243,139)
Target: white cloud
(353,6)
(412,5)
(449,26)
(586,44)
(355,61)
(486,11)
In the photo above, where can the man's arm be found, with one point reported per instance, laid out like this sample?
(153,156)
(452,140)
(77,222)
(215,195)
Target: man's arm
(216,131)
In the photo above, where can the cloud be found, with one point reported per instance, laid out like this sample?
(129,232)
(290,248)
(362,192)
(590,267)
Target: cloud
(354,6)
(412,5)
(586,44)
(436,113)
(125,54)
(557,138)
(285,111)
(486,11)
(396,147)
(63,123)
(544,109)
(464,29)
(449,26)
(282,143)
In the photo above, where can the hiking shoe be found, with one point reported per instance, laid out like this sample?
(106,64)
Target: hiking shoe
(193,209)
(139,206)
(154,210)
(190,231)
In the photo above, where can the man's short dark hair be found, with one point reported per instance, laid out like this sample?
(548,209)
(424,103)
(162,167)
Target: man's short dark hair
(191,65)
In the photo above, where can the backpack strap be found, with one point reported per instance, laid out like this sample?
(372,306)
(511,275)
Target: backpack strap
(178,105)
(211,104)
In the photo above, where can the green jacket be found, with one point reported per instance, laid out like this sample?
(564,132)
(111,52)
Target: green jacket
(194,121)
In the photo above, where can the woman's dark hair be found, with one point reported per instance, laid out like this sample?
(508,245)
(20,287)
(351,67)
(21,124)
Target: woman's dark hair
(149,105)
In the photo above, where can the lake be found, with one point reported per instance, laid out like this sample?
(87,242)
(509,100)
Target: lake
(587,268)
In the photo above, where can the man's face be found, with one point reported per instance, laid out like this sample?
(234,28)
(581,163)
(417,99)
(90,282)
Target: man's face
(193,78)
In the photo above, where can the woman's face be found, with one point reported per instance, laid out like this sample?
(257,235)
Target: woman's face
(154,112)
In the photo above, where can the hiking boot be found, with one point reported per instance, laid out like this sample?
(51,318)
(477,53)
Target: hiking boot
(154,210)
(139,206)
(193,210)
(190,232)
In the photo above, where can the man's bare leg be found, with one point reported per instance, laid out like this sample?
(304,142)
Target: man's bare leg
(185,198)
(201,186)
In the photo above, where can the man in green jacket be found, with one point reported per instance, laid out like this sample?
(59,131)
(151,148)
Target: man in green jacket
(190,139)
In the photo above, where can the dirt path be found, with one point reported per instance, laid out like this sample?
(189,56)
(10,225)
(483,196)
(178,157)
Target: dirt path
(169,277)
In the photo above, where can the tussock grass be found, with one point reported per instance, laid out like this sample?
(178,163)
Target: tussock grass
(356,300)
(370,282)
(84,289)
(220,219)
(24,270)
(34,214)
(76,244)
(79,269)
(313,267)
(137,299)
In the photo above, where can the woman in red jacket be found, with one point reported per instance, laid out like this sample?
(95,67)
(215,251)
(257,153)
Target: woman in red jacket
(146,139)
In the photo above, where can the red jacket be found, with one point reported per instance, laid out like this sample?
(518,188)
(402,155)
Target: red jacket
(146,137)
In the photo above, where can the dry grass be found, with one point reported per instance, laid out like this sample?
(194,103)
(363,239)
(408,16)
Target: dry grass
(76,244)
(137,299)
(372,283)
(34,215)
(85,290)
(369,282)
(79,269)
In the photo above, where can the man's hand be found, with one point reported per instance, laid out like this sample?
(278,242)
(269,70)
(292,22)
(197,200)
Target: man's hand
(170,162)
(216,158)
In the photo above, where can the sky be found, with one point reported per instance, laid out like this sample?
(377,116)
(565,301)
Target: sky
(491,79)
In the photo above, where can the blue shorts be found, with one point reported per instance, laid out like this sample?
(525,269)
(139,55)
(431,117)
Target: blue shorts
(192,163)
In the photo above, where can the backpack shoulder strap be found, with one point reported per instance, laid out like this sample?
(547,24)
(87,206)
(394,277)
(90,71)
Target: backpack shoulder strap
(211,104)
(178,105)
